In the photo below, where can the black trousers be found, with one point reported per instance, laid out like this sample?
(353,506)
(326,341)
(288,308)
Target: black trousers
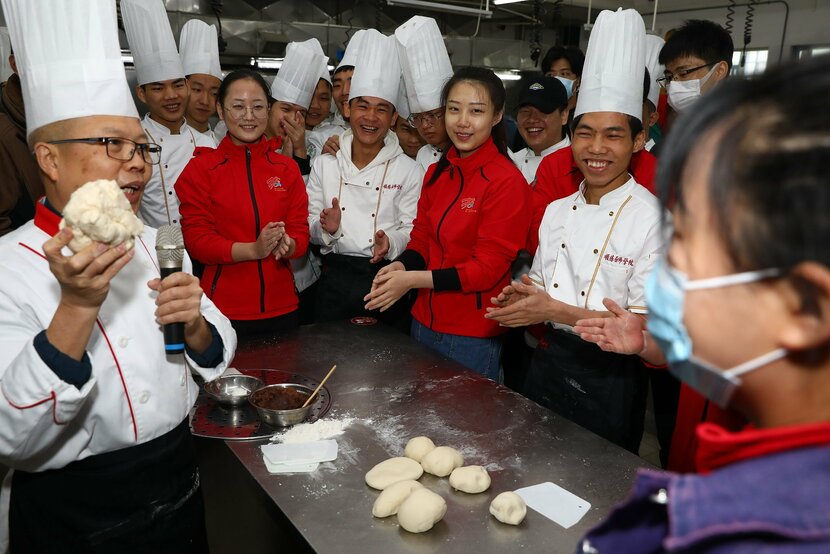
(601,391)
(248,330)
(343,284)
(145,498)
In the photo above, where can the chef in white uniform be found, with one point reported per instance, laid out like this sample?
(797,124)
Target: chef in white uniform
(362,201)
(600,242)
(426,68)
(199,49)
(655,70)
(542,114)
(94,413)
(163,88)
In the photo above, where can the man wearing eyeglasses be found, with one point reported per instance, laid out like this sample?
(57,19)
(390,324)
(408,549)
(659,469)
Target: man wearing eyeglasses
(93,412)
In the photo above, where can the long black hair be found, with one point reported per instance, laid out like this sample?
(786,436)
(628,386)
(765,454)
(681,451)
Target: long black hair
(768,188)
(495,89)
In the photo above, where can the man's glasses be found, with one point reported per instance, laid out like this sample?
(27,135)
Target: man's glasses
(430,118)
(663,81)
(121,149)
(238,111)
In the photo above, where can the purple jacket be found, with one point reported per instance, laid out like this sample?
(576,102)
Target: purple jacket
(771,504)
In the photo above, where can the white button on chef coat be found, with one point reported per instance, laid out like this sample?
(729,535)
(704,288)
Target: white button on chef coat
(160,205)
(589,252)
(123,341)
(428,155)
(368,199)
(144,397)
(528,162)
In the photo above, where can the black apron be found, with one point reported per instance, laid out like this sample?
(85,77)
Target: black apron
(601,391)
(345,280)
(144,498)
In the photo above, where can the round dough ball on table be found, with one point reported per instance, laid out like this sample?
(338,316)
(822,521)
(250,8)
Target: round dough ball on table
(418,447)
(99,211)
(392,497)
(442,460)
(508,507)
(393,470)
(421,510)
(471,479)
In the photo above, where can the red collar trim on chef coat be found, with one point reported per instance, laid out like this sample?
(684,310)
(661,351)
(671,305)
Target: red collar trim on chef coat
(718,447)
(45,219)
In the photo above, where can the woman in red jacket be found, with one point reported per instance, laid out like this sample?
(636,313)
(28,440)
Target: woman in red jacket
(244,213)
(473,217)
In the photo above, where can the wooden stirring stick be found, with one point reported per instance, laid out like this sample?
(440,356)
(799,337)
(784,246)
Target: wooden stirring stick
(326,378)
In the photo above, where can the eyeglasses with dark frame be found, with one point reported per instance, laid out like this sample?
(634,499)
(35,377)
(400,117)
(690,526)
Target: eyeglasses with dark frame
(430,117)
(663,81)
(121,149)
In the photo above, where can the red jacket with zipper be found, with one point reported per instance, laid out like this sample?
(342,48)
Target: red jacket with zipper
(471,223)
(228,195)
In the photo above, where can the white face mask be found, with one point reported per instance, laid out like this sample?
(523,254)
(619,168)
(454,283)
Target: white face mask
(683,94)
(569,85)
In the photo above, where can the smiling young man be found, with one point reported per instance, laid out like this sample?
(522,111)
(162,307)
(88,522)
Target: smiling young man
(598,243)
(362,201)
(94,411)
(200,60)
(162,87)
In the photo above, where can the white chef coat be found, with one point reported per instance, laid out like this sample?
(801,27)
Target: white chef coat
(160,205)
(381,196)
(650,144)
(428,155)
(528,162)
(316,138)
(135,393)
(589,252)
(208,136)
(220,130)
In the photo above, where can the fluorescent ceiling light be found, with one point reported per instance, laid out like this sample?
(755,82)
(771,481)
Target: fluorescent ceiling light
(267,63)
(126,56)
(440,7)
(508,75)
(500,2)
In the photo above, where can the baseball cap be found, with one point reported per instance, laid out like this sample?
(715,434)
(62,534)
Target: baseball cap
(544,93)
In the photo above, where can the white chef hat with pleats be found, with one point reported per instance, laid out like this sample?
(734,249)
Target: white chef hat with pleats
(655,70)
(353,48)
(612,77)
(424,62)
(68,59)
(199,48)
(151,41)
(314,45)
(298,75)
(5,51)
(402,105)
(377,71)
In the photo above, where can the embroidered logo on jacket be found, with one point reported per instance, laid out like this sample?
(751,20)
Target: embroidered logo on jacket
(274,183)
(614,259)
(468,205)
(387,186)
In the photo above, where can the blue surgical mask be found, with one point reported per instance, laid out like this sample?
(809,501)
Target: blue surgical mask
(569,85)
(666,289)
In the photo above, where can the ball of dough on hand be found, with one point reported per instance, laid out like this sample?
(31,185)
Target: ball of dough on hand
(442,460)
(471,479)
(393,470)
(418,447)
(99,211)
(508,507)
(421,510)
(391,497)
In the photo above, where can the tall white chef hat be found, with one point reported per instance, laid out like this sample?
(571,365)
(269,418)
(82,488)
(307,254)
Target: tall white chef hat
(424,62)
(151,41)
(402,105)
(68,59)
(612,77)
(5,51)
(378,71)
(352,53)
(653,46)
(199,46)
(298,75)
(314,45)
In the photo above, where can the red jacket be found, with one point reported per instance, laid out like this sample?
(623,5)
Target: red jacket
(559,177)
(228,195)
(471,223)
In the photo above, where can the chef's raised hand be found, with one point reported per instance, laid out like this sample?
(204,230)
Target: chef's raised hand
(294,127)
(389,285)
(622,333)
(330,217)
(514,292)
(179,301)
(381,247)
(268,239)
(526,304)
(85,277)
(286,245)
(332,145)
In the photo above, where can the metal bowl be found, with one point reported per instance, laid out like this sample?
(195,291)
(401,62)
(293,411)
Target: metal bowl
(282,418)
(229,389)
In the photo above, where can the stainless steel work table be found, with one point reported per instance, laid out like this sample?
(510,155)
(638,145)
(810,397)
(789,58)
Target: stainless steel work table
(395,389)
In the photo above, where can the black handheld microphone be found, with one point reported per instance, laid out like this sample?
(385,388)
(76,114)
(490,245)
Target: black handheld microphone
(170,253)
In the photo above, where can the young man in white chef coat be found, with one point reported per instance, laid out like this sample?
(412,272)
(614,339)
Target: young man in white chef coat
(426,68)
(199,47)
(542,115)
(163,88)
(362,201)
(598,243)
(94,412)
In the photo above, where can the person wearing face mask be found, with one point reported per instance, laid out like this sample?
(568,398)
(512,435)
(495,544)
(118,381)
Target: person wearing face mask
(696,57)
(601,241)
(741,310)
(199,48)
(565,63)
(651,88)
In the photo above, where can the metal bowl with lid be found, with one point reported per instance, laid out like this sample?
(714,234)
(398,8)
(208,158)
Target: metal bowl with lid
(262,398)
(232,389)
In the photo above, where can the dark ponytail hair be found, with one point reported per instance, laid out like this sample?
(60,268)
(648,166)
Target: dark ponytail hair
(238,75)
(495,90)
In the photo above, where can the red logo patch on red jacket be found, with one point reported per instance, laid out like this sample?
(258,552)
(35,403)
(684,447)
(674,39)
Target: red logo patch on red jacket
(274,183)
(468,205)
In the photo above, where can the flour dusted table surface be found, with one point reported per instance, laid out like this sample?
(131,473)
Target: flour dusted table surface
(393,389)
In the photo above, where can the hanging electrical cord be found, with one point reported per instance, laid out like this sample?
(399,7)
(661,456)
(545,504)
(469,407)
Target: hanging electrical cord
(216,6)
(536,44)
(730,16)
(378,9)
(557,14)
(750,15)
